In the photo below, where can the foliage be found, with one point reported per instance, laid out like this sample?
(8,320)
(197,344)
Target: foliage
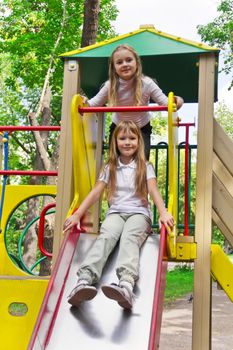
(14,228)
(18,309)
(220,33)
(159,128)
(179,282)
(224,117)
(217,236)
(29,30)
(32,35)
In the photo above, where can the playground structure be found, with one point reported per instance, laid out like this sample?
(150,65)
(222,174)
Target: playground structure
(86,160)
(19,286)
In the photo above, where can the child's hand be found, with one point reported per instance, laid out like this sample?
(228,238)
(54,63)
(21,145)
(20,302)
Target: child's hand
(167,219)
(85,99)
(71,221)
(178,101)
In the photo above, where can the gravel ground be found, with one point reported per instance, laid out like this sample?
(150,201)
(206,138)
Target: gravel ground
(176,333)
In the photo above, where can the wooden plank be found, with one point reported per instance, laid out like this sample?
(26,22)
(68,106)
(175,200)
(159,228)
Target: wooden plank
(201,339)
(222,227)
(222,196)
(223,203)
(223,146)
(221,172)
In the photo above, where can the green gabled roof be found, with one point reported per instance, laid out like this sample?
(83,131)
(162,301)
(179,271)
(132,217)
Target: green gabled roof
(147,42)
(171,60)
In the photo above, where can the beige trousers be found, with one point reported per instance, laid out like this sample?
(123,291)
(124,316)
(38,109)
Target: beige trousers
(132,230)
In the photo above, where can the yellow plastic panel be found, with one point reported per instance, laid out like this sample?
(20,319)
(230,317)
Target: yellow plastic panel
(82,182)
(90,128)
(186,249)
(15,331)
(84,140)
(172,176)
(222,269)
(14,195)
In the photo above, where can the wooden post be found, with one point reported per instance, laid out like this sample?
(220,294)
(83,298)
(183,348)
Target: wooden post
(201,339)
(65,168)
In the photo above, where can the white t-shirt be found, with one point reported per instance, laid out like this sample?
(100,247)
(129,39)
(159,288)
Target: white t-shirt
(125,97)
(125,200)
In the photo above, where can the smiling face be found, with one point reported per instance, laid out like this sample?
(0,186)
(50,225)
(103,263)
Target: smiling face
(127,144)
(125,64)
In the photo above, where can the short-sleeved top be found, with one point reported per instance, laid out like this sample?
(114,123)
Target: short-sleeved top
(125,199)
(125,97)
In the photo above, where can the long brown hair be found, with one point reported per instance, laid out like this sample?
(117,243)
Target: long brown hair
(114,78)
(128,127)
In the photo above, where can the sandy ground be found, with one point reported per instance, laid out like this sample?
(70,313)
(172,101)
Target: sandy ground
(176,331)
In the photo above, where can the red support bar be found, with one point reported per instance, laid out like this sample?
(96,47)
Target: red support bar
(186,183)
(186,177)
(122,109)
(28,172)
(186,124)
(41,230)
(29,128)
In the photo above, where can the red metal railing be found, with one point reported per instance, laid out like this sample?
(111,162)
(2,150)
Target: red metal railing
(160,284)
(186,177)
(11,128)
(41,230)
(28,172)
(29,128)
(122,109)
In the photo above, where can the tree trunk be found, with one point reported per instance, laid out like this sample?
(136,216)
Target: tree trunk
(30,241)
(90,22)
(41,162)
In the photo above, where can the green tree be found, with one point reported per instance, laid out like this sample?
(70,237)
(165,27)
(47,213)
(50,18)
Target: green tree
(219,33)
(32,35)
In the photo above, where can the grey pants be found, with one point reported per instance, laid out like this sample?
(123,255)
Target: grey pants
(132,230)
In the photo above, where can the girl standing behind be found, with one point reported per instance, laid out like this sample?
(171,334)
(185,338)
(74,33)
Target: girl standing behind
(127,86)
(128,179)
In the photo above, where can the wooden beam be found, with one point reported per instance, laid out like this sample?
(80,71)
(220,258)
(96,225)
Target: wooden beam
(201,339)
(65,168)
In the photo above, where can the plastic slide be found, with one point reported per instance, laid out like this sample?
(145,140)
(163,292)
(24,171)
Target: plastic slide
(101,323)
